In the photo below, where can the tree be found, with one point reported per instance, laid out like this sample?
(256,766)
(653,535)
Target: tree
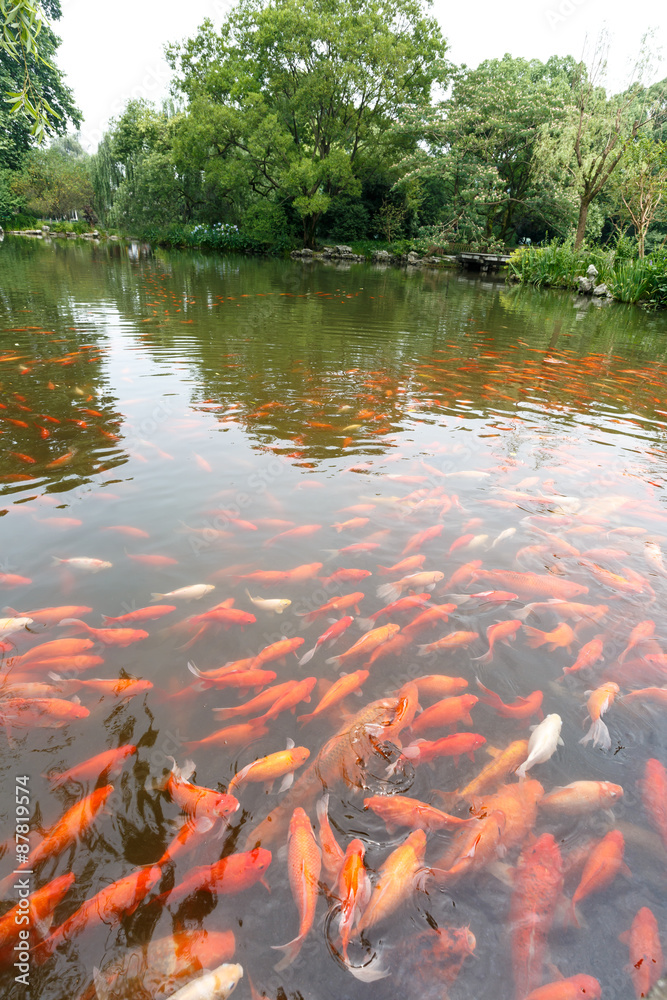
(588,141)
(21,22)
(641,180)
(55,182)
(289,96)
(19,128)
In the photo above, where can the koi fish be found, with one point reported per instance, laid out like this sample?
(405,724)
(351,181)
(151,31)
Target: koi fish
(542,744)
(335,604)
(581,797)
(191,593)
(339,690)
(282,764)
(151,613)
(85,563)
(572,988)
(109,636)
(392,591)
(300,691)
(397,878)
(104,765)
(426,751)
(589,654)
(597,704)
(522,708)
(446,712)
(646,964)
(353,890)
(337,628)
(367,644)
(526,585)
(500,632)
(403,604)
(275,604)
(603,865)
(411,563)
(399,810)
(644,630)
(420,539)
(276,651)
(196,800)
(232,874)
(654,796)
(561,636)
(439,685)
(538,886)
(471,849)
(304,862)
(332,854)
(42,904)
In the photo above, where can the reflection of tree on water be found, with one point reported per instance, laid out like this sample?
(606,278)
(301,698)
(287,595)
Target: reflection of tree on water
(54,372)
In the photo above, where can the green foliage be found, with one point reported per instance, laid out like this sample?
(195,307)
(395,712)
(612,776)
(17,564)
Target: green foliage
(221,236)
(290,97)
(642,279)
(55,182)
(69,227)
(10,202)
(558,264)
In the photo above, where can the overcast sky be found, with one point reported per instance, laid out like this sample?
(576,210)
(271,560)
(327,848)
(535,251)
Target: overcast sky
(113,52)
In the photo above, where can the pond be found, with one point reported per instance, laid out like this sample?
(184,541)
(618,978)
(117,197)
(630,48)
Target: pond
(209,461)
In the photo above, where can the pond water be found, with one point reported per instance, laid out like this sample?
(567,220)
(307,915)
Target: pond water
(257,427)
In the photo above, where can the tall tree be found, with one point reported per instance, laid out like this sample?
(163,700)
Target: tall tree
(287,97)
(640,185)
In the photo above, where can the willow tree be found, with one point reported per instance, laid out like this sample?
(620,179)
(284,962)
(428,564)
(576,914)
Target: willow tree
(588,140)
(287,98)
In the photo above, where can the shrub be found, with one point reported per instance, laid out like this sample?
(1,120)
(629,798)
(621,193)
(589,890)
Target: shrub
(558,263)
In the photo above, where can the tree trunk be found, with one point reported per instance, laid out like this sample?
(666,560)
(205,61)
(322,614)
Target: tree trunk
(309,226)
(581,225)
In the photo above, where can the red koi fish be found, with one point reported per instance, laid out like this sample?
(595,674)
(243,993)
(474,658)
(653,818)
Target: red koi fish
(397,878)
(367,644)
(276,651)
(195,800)
(581,987)
(399,810)
(304,863)
(527,585)
(233,874)
(339,690)
(500,632)
(353,890)
(329,637)
(142,614)
(646,964)
(446,712)
(108,907)
(654,797)
(603,865)
(42,905)
(332,854)
(341,603)
(538,886)
(109,636)
(522,708)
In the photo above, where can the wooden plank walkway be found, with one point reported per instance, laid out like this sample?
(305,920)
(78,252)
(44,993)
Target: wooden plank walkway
(483,261)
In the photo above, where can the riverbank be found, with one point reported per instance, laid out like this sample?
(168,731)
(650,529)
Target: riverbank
(606,272)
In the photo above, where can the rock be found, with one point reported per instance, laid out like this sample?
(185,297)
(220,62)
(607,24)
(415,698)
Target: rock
(414,258)
(306,252)
(601,290)
(592,272)
(46,229)
(382,256)
(585,286)
(343,251)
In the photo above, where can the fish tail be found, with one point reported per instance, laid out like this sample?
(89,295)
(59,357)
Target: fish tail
(521,770)
(535,637)
(106,619)
(72,621)
(423,650)
(332,660)
(388,591)
(157,597)
(383,570)
(305,718)
(365,624)
(307,657)
(370,972)
(291,949)
(523,613)
(194,670)
(599,734)
(485,658)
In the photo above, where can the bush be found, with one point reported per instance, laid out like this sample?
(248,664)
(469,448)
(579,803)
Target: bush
(644,279)
(68,227)
(22,221)
(558,264)
(221,236)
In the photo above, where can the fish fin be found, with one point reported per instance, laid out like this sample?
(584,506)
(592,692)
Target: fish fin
(157,597)
(624,870)
(193,669)
(183,773)
(561,741)
(485,658)
(535,637)
(203,824)
(501,871)
(388,591)
(368,973)
(54,676)
(365,624)
(332,659)
(291,949)
(624,938)
(287,782)
(102,990)
(599,734)
(307,657)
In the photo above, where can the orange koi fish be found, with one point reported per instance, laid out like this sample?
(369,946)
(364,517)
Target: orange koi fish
(335,604)
(603,865)
(471,849)
(452,641)
(526,585)
(435,614)
(276,651)
(51,616)
(561,636)
(538,885)
(231,736)
(572,988)
(589,654)
(644,630)
(504,762)
(109,636)
(42,905)
(397,878)
(303,531)
(416,541)
(282,764)
(399,810)
(353,890)
(300,691)
(345,576)
(411,563)
(104,765)
(367,644)
(581,797)
(426,751)
(304,862)
(522,708)
(403,604)
(646,964)
(597,704)
(339,690)
(446,712)
(654,796)
(40,712)
(439,685)
(152,560)
(55,648)
(195,800)
(108,907)
(500,632)
(425,579)
(259,703)
(232,874)
(142,614)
